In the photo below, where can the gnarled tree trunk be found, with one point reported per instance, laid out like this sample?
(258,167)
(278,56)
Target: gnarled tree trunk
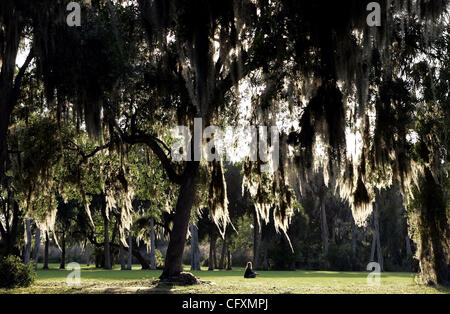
(174,255)
(433,233)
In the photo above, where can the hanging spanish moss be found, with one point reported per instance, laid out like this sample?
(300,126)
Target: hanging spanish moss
(217,200)
(367,88)
(119,195)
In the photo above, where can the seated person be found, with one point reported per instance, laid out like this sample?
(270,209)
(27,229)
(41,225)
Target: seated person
(249,273)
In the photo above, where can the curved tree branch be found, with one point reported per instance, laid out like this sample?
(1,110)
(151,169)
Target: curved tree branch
(153,143)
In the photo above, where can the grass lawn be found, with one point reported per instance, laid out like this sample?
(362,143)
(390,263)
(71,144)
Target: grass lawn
(225,282)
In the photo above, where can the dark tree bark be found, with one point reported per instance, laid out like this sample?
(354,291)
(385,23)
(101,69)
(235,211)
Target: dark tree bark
(265,258)
(376,245)
(215,254)
(353,247)
(212,250)
(324,230)
(195,250)
(46,251)
(130,252)
(229,260)
(62,265)
(106,236)
(377,228)
(8,58)
(223,253)
(434,232)
(152,244)
(174,255)
(9,230)
(122,257)
(9,82)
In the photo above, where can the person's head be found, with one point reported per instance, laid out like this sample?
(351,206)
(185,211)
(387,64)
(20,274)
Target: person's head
(249,265)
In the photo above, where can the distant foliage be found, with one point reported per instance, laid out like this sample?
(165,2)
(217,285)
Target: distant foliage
(15,274)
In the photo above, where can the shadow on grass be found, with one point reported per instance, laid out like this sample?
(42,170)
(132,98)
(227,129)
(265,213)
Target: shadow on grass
(160,288)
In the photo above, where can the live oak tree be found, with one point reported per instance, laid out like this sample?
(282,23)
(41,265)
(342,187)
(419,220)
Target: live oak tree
(129,72)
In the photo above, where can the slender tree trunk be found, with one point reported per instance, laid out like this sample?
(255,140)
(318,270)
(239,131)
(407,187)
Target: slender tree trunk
(212,249)
(353,247)
(28,242)
(122,256)
(195,254)
(88,258)
(152,244)
(379,251)
(374,246)
(256,241)
(229,260)
(216,264)
(130,251)
(46,251)
(377,237)
(4,121)
(37,244)
(174,255)
(107,244)
(222,254)
(63,252)
(324,230)
(265,258)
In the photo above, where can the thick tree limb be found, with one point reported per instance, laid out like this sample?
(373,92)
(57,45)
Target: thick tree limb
(19,78)
(153,143)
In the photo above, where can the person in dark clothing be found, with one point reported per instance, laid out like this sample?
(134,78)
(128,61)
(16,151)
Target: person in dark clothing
(249,273)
